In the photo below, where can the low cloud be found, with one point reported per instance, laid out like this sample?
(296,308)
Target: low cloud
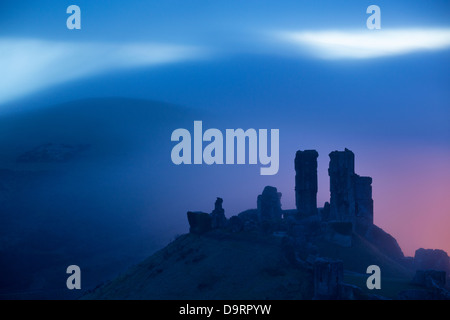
(28,65)
(365,44)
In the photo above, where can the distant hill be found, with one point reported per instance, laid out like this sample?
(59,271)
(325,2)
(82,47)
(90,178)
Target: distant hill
(112,127)
(75,179)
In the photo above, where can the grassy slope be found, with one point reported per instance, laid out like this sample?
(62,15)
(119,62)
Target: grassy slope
(213,266)
(394,277)
(361,255)
(242,266)
(390,287)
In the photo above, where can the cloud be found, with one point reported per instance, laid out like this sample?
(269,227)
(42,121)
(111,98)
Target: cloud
(366,44)
(28,65)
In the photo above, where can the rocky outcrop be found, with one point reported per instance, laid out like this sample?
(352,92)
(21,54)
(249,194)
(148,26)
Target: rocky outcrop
(385,242)
(199,222)
(430,278)
(432,259)
(269,205)
(433,283)
(218,219)
(306,182)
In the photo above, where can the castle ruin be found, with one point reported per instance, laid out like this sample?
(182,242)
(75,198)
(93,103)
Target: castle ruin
(343,221)
(350,209)
(306,182)
(350,194)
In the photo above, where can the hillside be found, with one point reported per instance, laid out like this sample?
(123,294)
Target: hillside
(222,265)
(212,266)
(362,254)
(71,180)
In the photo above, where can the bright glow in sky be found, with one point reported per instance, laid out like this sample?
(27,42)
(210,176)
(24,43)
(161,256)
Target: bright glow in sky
(367,43)
(29,65)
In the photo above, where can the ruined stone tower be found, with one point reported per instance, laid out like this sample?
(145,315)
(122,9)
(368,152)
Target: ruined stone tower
(328,276)
(351,195)
(306,182)
(269,204)
(342,172)
(218,219)
(364,204)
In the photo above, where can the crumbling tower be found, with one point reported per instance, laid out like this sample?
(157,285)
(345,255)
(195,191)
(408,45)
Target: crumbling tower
(218,219)
(328,276)
(351,195)
(306,182)
(364,204)
(342,176)
(269,205)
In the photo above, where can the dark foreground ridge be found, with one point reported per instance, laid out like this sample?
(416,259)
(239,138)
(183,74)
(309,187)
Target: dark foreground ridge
(304,253)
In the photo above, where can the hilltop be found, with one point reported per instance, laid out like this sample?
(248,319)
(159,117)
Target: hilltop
(270,253)
(242,265)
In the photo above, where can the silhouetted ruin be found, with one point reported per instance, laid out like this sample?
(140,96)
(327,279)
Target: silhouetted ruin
(218,219)
(306,182)
(328,275)
(349,215)
(269,205)
(199,222)
(351,194)
(350,208)
(342,188)
(431,259)
(434,281)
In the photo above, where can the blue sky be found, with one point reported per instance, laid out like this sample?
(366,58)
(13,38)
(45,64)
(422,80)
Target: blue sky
(310,68)
(38,51)
(197,19)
